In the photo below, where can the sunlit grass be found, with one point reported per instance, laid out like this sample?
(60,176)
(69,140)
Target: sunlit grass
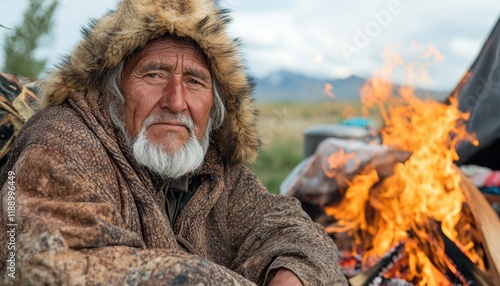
(276,160)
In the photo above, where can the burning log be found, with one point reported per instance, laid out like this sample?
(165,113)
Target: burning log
(323,178)
(374,274)
(458,268)
(446,257)
(470,274)
(488,223)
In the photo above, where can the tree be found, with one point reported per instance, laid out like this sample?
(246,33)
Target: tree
(21,44)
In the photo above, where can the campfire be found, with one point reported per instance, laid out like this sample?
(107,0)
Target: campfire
(425,188)
(412,224)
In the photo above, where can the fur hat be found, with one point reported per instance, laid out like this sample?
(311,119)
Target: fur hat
(133,24)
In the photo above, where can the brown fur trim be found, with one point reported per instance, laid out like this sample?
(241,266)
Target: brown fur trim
(135,22)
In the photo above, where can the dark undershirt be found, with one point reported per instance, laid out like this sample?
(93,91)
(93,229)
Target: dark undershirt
(176,193)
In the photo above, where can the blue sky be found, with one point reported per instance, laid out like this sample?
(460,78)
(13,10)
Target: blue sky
(323,38)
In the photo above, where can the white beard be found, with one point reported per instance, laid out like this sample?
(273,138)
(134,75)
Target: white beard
(187,159)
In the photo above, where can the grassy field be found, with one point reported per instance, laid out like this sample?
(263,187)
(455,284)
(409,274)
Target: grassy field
(281,126)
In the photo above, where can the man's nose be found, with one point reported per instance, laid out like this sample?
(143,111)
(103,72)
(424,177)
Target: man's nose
(174,96)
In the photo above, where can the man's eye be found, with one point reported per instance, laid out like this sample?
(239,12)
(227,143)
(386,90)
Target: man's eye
(194,81)
(152,75)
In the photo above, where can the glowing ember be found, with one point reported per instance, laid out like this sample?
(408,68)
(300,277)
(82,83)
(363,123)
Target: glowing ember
(378,215)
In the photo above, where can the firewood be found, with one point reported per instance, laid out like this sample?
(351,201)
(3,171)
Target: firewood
(488,223)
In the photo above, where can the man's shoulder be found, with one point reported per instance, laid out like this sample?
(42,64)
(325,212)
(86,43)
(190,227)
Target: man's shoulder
(54,130)
(56,113)
(57,129)
(53,124)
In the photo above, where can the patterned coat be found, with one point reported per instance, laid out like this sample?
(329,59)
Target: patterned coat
(86,213)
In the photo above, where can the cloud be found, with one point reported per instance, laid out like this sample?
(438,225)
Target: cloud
(294,34)
(307,36)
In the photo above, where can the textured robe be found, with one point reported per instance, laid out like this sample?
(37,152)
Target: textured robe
(88,214)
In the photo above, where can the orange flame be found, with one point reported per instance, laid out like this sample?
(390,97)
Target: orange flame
(425,187)
(329,90)
(335,161)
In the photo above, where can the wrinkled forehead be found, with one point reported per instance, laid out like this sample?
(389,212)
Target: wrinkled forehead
(167,42)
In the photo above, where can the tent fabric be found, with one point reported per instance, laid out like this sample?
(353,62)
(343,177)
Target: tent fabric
(479,94)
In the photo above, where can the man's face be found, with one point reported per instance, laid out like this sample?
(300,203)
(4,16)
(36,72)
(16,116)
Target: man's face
(166,77)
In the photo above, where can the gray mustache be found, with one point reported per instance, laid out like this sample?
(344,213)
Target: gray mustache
(169,116)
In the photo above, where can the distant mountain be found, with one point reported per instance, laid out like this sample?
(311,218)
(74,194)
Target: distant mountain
(286,86)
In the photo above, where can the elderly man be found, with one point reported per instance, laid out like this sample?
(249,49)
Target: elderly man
(133,172)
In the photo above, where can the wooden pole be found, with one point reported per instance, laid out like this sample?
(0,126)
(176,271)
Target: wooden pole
(488,223)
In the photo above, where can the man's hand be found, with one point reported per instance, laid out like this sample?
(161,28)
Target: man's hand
(285,277)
